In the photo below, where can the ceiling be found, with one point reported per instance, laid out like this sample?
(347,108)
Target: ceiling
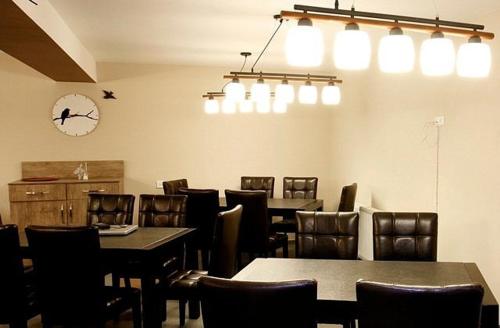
(213,32)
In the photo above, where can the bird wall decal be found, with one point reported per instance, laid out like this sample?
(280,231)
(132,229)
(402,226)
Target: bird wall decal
(66,114)
(108,94)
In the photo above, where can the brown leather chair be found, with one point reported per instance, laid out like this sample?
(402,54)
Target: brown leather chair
(172,187)
(228,303)
(110,208)
(70,280)
(18,301)
(183,284)
(255,235)
(258,183)
(327,235)
(348,198)
(162,211)
(405,236)
(383,305)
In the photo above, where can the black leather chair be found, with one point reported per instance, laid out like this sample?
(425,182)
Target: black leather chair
(228,303)
(255,235)
(348,198)
(394,306)
(327,235)
(70,281)
(172,187)
(405,236)
(162,211)
(183,284)
(201,212)
(258,183)
(110,208)
(18,301)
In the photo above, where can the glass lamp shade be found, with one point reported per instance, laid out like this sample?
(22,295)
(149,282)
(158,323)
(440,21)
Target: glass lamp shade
(228,106)
(396,53)
(474,59)
(330,95)
(279,106)
(211,106)
(308,94)
(263,106)
(437,56)
(285,93)
(246,106)
(352,49)
(304,45)
(260,91)
(235,90)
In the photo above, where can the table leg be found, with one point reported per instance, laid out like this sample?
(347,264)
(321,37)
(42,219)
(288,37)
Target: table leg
(150,302)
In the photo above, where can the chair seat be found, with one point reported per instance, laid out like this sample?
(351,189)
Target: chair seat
(285,225)
(183,279)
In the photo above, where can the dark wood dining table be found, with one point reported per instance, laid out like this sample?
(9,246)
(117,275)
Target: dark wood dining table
(148,249)
(337,281)
(284,206)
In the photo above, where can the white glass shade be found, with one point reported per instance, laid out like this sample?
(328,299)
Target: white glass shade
(246,106)
(352,49)
(437,56)
(235,91)
(211,106)
(396,54)
(260,91)
(285,93)
(308,94)
(228,106)
(263,106)
(330,95)
(474,60)
(279,106)
(304,45)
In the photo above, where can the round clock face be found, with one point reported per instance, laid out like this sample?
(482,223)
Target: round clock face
(75,115)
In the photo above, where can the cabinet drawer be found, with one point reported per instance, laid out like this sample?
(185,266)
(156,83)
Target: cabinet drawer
(37,192)
(81,190)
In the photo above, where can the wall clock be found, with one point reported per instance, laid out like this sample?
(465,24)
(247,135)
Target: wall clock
(75,115)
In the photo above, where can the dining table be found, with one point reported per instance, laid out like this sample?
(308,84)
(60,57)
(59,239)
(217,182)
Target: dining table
(337,281)
(148,249)
(285,207)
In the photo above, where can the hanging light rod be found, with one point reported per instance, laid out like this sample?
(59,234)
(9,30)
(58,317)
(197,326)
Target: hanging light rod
(223,94)
(283,76)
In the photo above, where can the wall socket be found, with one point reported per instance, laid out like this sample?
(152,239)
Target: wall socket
(438,121)
(159,184)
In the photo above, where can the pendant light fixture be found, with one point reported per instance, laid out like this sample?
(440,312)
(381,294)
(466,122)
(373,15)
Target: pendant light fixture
(279,106)
(304,46)
(263,107)
(474,59)
(260,91)
(284,92)
(352,48)
(211,105)
(308,94)
(246,105)
(437,55)
(396,53)
(330,95)
(228,106)
(234,90)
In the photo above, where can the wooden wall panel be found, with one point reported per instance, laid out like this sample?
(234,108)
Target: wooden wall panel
(64,169)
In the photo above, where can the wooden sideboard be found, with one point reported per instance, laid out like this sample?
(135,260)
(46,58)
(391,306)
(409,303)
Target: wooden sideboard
(63,201)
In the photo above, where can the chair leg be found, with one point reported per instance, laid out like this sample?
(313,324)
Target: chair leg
(285,250)
(194,309)
(137,312)
(127,282)
(115,278)
(164,311)
(182,312)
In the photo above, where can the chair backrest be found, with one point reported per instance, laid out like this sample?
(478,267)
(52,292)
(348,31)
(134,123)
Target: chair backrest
(110,208)
(68,274)
(259,183)
(172,187)
(162,211)
(255,222)
(12,283)
(300,187)
(348,198)
(327,235)
(395,306)
(405,236)
(228,303)
(223,260)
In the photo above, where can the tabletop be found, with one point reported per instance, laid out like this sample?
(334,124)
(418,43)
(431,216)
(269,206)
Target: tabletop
(286,203)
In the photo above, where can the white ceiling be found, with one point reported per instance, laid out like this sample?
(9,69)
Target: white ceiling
(213,32)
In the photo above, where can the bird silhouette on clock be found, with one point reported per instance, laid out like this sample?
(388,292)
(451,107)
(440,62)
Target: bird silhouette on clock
(108,94)
(64,115)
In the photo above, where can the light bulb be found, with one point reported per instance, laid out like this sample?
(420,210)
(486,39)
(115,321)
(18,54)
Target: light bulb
(235,91)
(352,48)
(285,92)
(396,53)
(330,95)
(211,105)
(437,55)
(228,106)
(263,106)
(304,45)
(246,106)
(474,59)
(260,91)
(279,106)
(308,94)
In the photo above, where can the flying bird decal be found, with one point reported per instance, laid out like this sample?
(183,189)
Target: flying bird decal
(108,94)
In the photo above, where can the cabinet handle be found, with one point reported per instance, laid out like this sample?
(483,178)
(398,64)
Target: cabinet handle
(70,213)
(34,193)
(62,214)
(86,191)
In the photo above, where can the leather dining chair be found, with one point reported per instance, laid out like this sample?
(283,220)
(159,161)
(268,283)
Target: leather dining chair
(228,303)
(404,236)
(348,198)
(258,183)
(201,212)
(172,187)
(110,209)
(255,235)
(162,211)
(70,280)
(18,301)
(183,284)
(383,305)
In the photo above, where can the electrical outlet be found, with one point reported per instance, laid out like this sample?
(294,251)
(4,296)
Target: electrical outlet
(159,184)
(438,121)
